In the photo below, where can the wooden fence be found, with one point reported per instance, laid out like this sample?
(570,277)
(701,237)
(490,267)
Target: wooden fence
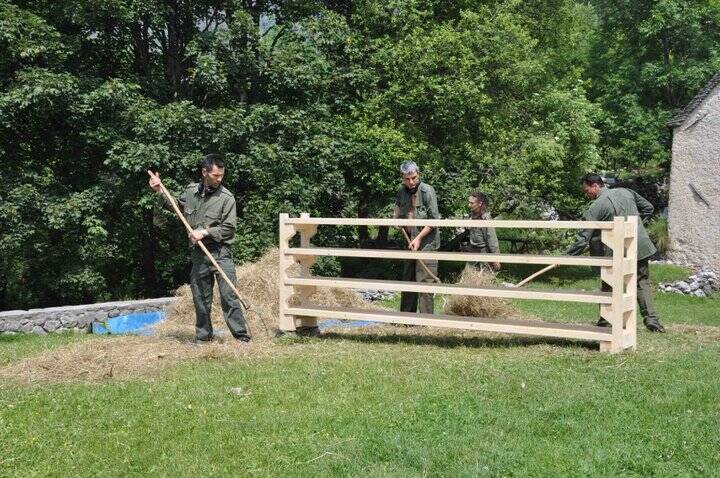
(617,306)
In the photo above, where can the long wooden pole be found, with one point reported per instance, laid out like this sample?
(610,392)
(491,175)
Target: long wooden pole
(532,276)
(200,244)
(422,264)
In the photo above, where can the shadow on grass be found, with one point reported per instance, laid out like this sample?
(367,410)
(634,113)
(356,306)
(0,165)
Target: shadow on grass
(450,341)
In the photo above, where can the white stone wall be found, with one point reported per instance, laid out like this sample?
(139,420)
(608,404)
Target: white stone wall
(694,226)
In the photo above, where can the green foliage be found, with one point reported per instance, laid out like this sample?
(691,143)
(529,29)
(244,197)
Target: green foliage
(657,229)
(314,105)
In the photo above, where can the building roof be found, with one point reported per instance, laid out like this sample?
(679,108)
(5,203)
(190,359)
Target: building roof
(699,98)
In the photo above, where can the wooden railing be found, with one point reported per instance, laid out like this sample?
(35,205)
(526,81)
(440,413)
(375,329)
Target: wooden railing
(617,306)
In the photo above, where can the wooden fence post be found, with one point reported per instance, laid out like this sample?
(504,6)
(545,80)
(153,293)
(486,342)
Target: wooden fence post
(304,324)
(630,276)
(287,321)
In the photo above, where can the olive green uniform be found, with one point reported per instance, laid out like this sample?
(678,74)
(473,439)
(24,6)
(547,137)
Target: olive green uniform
(421,205)
(214,211)
(622,202)
(479,239)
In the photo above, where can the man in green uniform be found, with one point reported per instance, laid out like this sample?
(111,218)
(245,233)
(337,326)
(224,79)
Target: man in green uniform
(417,200)
(478,239)
(211,211)
(607,204)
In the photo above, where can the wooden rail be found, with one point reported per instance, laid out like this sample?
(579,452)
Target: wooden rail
(617,306)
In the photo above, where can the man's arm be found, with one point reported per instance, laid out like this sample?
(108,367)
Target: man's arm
(645,209)
(433,213)
(583,237)
(154,183)
(493,245)
(228,223)
(581,243)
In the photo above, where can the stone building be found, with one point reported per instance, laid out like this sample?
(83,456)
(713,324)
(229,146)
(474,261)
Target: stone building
(694,209)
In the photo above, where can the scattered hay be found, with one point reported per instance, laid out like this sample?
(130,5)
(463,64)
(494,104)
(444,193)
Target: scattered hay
(127,356)
(118,357)
(486,307)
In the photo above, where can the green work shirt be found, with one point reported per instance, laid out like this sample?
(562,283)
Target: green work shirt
(608,204)
(215,212)
(484,239)
(426,207)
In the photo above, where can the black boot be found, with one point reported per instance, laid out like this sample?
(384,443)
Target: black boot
(654,325)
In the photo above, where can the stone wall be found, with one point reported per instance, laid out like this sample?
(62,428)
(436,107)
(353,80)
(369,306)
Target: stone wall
(77,317)
(693,219)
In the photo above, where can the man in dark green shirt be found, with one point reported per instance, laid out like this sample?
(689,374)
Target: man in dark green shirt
(607,204)
(417,200)
(478,239)
(211,211)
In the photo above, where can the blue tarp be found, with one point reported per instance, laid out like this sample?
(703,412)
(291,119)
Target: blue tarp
(326,324)
(138,323)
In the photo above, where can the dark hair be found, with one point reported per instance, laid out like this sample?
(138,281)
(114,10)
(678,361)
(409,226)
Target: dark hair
(210,160)
(593,178)
(482,198)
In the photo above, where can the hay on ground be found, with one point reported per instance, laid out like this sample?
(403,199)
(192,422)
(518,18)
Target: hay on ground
(127,356)
(484,307)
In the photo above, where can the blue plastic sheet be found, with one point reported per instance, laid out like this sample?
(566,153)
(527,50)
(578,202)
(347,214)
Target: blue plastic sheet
(139,323)
(326,324)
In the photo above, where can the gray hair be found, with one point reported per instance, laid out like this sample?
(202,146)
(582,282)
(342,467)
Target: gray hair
(408,167)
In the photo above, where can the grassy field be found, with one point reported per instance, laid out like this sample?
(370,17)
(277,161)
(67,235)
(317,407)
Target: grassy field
(393,402)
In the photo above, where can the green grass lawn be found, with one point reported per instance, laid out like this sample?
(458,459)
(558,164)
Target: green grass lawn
(392,402)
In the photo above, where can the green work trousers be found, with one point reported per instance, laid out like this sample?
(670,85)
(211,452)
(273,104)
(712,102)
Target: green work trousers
(414,272)
(644,291)
(202,281)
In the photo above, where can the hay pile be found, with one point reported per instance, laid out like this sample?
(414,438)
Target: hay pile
(485,307)
(98,359)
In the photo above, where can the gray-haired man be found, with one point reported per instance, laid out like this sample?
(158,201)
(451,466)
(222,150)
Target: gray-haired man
(417,200)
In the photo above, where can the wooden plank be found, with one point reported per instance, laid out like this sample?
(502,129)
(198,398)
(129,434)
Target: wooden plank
(286,321)
(451,256)
(467,223)
(595,297)
(510,326)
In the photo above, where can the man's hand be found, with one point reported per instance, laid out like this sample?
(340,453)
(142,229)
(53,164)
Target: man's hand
(197,235)
(415,244)
(495,266)
(154,183)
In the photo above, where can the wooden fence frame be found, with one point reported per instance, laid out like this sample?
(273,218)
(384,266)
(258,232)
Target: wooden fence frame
(619,307)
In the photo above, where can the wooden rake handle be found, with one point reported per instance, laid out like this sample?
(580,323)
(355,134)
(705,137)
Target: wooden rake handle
(422,264)
(180,215)
(532,276)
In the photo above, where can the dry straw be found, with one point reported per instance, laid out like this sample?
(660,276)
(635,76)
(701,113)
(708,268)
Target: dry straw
(99,359)
(471,306)
(128,356)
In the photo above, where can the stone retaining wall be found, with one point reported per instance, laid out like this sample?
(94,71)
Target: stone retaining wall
(76,317)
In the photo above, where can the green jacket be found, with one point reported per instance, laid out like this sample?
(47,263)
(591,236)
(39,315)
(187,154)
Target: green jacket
(478,239)
(215,212)
(484,239)
(426,207)
(608,204)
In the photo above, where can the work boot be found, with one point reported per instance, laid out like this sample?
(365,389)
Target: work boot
(242,338)
(602,323)
(653,325)
(202,341)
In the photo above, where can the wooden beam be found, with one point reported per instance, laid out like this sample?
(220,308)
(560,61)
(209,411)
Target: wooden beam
(450,256)
(510,326)
(467,223)
(594,297)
